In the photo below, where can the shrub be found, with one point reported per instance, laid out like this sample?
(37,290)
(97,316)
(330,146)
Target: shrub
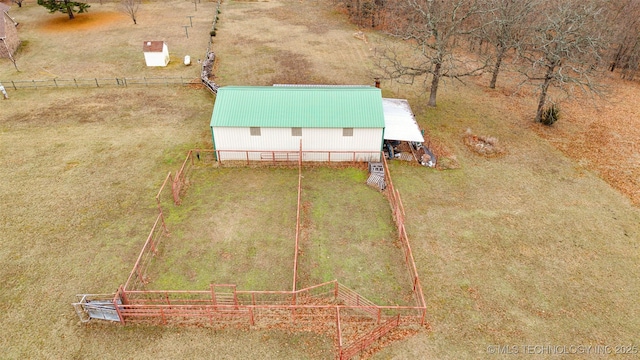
(550,115)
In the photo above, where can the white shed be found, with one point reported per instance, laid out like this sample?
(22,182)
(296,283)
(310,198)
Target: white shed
(342,123)
(156,53)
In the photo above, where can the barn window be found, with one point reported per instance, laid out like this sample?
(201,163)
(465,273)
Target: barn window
(347,131)
(296,131)
(255,131)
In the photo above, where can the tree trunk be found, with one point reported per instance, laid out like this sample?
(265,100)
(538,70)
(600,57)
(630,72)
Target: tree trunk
(434,85)
(543,93)
(496,67)
(616,59)
(69,10)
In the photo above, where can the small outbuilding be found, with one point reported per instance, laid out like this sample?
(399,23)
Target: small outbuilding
(156,53)
(9,40)
(329,123)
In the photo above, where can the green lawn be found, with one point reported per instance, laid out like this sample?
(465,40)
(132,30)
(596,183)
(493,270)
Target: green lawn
(350,236)
(237,226)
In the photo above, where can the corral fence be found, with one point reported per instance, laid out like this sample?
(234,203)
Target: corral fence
(397,209)
(98,82)
(289,157)
(329,308)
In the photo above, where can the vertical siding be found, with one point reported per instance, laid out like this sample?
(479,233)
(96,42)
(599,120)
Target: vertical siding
(313,139)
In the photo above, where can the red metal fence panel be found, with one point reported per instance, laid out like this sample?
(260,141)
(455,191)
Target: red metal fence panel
(329,306)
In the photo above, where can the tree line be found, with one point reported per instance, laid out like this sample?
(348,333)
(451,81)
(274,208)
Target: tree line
(562,44)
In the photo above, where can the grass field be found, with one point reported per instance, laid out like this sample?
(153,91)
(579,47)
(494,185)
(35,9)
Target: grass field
(532,248)
(237,226)
(350,236)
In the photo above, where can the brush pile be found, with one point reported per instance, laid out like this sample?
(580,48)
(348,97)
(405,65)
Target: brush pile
(483,145)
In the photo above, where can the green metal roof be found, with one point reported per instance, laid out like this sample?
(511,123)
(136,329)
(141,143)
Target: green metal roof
(298,106)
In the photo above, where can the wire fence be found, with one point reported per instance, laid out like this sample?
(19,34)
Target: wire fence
(98,82)
(204,80)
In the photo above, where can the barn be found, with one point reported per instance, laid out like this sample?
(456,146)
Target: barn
(9,40)
(156,53)
(329,123)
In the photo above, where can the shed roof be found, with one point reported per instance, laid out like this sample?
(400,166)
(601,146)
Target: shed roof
(152,46)
(309,107)
(400,124)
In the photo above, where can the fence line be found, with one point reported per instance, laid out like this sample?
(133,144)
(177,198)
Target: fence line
(367,339)
(210,57)
(398,213)
(284,157)
(323,307)
(98,82)
(138,274)
(297,236)
(95,82)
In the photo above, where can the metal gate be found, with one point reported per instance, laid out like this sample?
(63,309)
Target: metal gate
(101,306)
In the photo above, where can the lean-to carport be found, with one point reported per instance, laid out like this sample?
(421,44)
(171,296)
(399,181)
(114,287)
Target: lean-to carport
(399,122)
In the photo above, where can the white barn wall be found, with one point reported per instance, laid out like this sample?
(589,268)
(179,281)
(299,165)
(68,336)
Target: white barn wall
(364,140)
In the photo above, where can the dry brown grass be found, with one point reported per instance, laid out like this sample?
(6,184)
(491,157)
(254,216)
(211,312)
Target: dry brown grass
(289,42)
(528,248)
(105,43)
(602,134)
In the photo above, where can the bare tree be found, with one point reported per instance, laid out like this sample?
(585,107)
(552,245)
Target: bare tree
(623,22)
(19,2)
(364,12)
(130,7)
(505,26)
(565,48)
(431,28)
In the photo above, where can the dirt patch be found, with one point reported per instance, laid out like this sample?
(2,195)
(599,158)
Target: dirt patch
(296,69)
(292,13)
(84,22)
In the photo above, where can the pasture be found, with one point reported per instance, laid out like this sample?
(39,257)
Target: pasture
(534,247)
(237,226)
